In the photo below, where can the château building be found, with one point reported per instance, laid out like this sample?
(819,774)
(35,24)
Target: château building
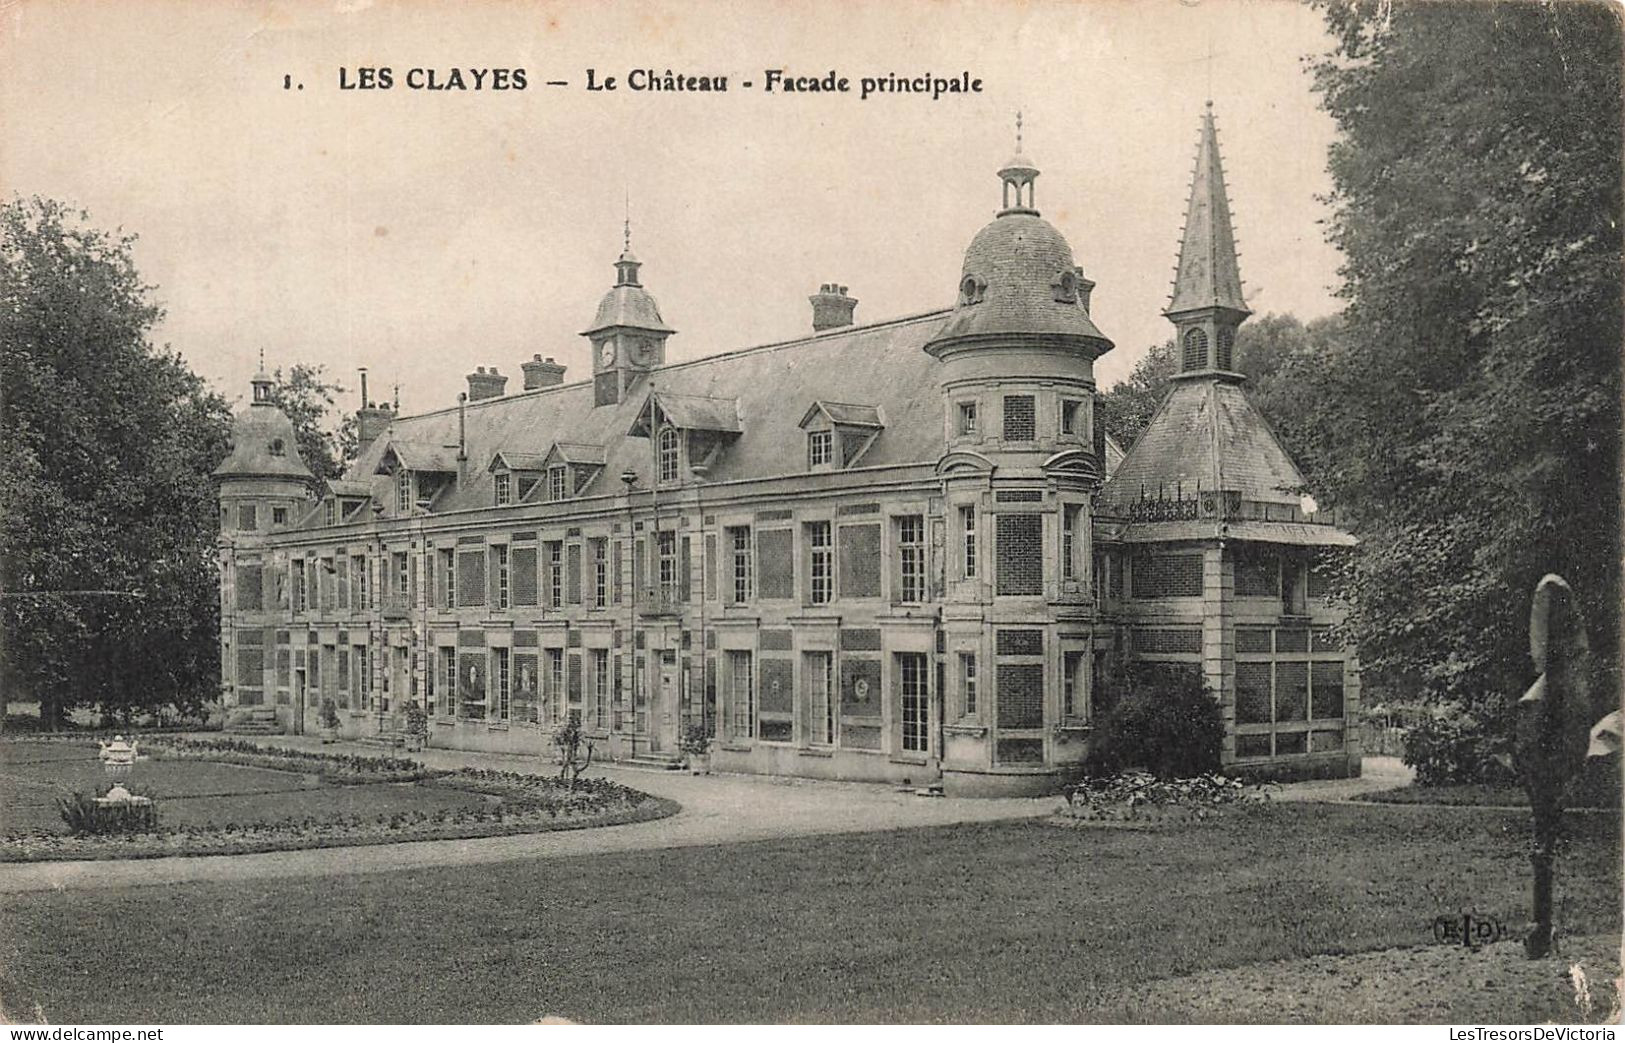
(900,550)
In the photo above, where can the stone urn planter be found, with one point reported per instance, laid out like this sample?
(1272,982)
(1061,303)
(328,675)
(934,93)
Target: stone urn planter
(417,727)
(328,722)
(696,747)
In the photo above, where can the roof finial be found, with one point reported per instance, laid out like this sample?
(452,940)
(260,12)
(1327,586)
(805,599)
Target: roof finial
(626,228)
(262,360)
(1018,132)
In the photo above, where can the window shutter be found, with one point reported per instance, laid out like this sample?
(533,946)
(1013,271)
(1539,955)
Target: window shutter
(682,570)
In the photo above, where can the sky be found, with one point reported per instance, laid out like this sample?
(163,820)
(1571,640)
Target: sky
(424,233)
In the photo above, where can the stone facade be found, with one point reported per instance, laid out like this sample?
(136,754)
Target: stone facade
(887,552)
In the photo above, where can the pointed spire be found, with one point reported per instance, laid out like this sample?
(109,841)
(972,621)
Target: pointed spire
(1208,275)
(261,381)
(626,267)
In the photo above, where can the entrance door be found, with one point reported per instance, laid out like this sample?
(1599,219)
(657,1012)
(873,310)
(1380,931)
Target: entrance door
(663,714)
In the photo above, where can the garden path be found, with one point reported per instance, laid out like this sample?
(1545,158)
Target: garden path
(716,809)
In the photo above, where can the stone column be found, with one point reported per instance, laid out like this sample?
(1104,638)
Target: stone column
(1219,638)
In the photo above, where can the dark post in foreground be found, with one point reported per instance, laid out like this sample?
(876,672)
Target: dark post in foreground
(1553,733)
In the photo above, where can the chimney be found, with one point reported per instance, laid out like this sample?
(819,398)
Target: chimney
(371,420)
(542,373)
(832,308)
(483,384)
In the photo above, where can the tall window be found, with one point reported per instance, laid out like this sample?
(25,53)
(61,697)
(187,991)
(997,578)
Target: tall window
(499,554)
(739,537)
(822,562)
(743,695)
(330,512)
(1072,702)
(555,681)
(667,546)
(967,419)
(246,517)
(399,567)
(967,527)
(279,516)
(911,557)
(448,578)
(301,593)
(504,681)
(669,453)
(967,681)
(403,491)
(1069,537)
(600,686)
(448,681)
(556,484)
(504,488)
(1020,423)
(1195,353)
(818,673)
(600,572)
(911,668)
(555,574)
(358,570)
(363,678)
(820,448)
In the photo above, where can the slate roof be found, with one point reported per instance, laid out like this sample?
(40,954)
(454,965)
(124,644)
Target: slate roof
(419,455)
(1018,256)
(1205,435)
(519,461)
(773,386)
(1208,275)
(253,431)
(693,412)
(847,413)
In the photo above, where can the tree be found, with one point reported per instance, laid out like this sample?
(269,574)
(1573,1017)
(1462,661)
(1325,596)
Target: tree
(310,401)
(1274,352)
(107,513)
(1468,415)
(1126,408)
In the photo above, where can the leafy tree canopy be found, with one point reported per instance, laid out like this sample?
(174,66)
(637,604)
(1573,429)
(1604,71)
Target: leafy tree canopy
(327,440)
(1469,414)
(107,513)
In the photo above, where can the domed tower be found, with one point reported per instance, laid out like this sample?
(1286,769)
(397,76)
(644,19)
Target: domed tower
(628,335)
(1019,468)
(263,483)
(1019,348)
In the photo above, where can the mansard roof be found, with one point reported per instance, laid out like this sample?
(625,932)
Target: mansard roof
(766,388)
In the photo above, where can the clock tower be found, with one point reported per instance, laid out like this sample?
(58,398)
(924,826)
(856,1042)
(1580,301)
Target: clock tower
(628,335)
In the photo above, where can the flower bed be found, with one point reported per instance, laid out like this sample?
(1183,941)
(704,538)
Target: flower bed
(1141,797)
(334,768)
(514,803)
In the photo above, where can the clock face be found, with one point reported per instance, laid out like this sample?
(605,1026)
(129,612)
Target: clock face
(643,351)
(606,353)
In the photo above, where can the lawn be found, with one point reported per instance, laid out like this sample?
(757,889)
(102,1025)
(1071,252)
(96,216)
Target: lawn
(194,792)
(999,922)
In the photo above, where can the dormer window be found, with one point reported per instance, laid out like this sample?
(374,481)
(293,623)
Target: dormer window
(670,454)
(967,420)
(820,448)
(503,485)
(1065,286)
(971,290)
(403,491)
(558,483)
(330,513)
(277,448)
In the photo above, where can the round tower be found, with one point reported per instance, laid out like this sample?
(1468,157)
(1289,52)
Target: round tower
(263,483)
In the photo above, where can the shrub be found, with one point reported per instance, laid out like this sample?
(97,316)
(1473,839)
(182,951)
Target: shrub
(84,817)
(1136,788)
(417,719)
(696,741)
(1451,744)
(329,715)
(1163,721)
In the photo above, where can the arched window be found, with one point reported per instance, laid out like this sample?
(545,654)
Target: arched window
(1227,348)
(277,448)
(669,449)
(1195,356)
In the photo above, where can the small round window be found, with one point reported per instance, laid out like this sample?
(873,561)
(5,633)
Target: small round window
(277,448)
